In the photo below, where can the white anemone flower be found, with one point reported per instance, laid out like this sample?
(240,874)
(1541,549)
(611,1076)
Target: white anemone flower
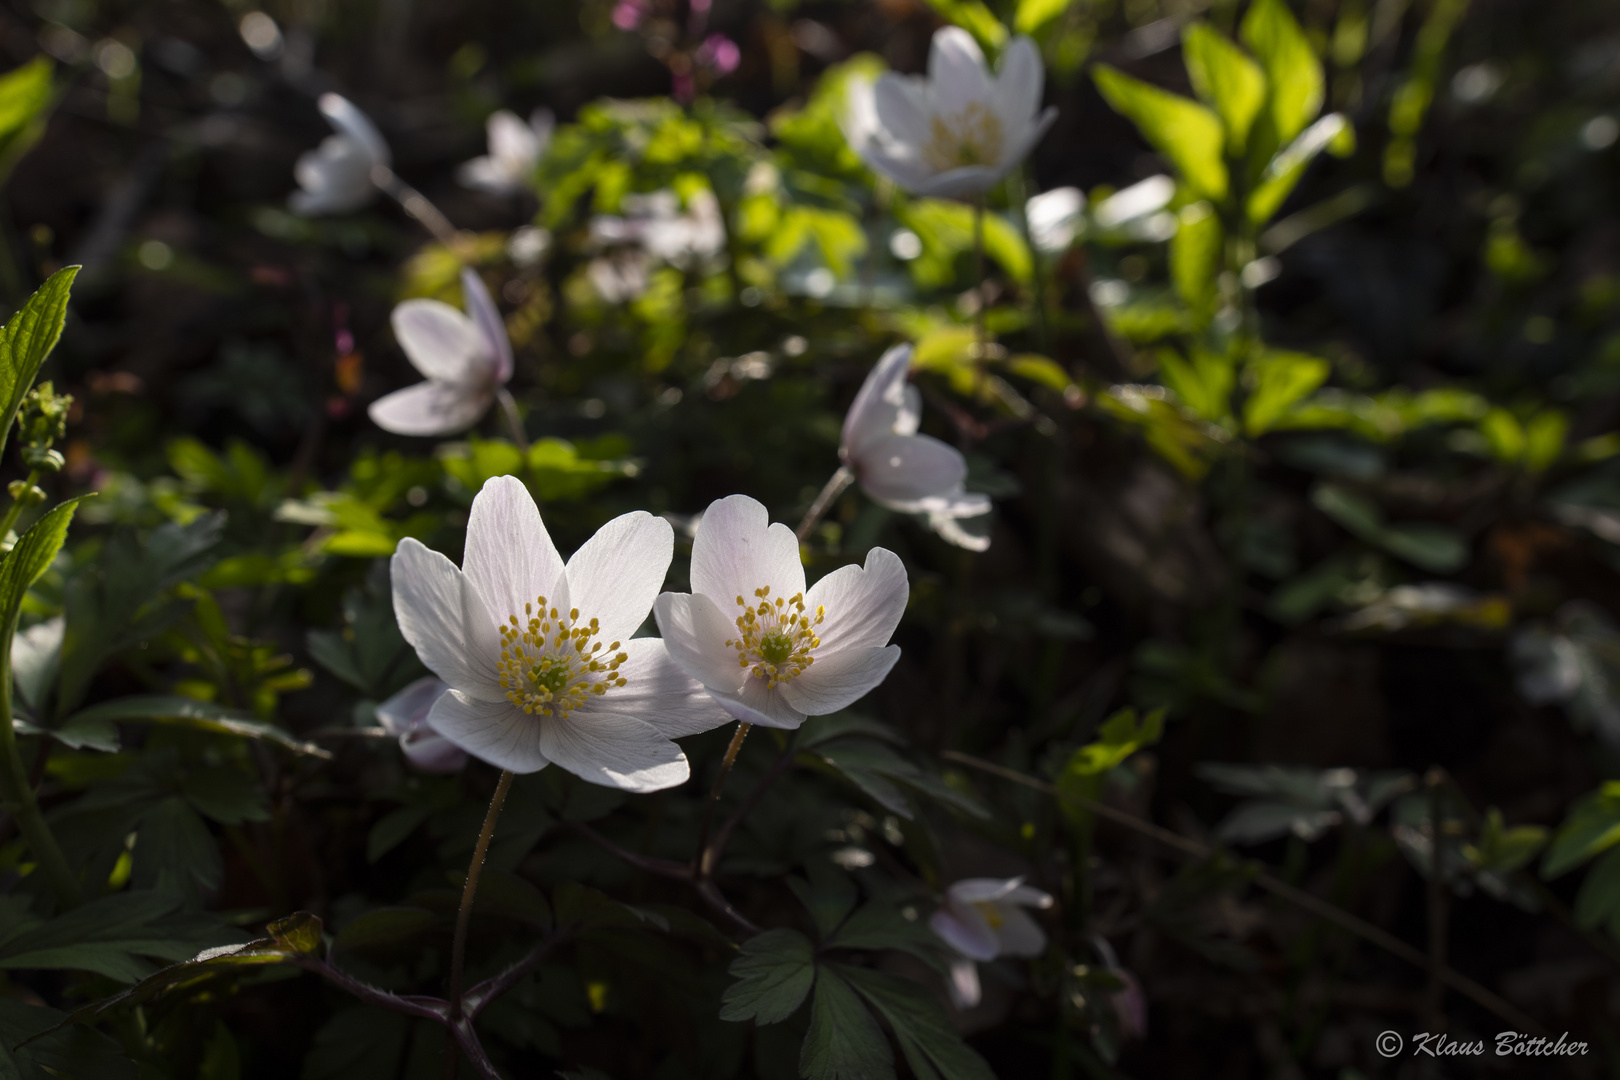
(538,653)
(905,471)
(769,650)
(405,716)
(984,918)
(514,151)
(466,359)
(958,132)
(1055,218)
(335,177)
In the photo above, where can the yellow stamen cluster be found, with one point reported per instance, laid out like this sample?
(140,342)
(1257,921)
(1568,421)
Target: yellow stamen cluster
(992,914)
(776,637)
(971,137)
(551,665)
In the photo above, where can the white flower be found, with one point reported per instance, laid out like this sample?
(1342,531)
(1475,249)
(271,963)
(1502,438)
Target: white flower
(768,650)
(514,151)
(915,474)
(984,918)
(1055,218)
(465,360)
(538,654)
(958,132)
(335,177)
(657,225)
(405,715)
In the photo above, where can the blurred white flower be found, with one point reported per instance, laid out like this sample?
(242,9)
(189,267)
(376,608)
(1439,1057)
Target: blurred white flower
(465,361)
(768,650)
(1574,662)
(1129,207)
(915,474)
(514,151)
(538,654)
(335,177)
(956,133)
(652,229)
(405,716)
(1055,218)
(983,918)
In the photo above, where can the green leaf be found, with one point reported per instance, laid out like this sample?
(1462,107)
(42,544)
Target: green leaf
(228,796)
(1118,738)
(1189,136)
(774,974)
(1544,439)
(829,895)
(1281,379)
(932,1047)
(25,95)
(1433,547)
(106,936)
(844,1042)
(1225,78)
(189,712)
(591,909)
(28,339)
(1034,14)
(1196,254)
(384,927)
(393,828)
(1284,171)
(977,19)
(880,926)
(1204,385)
(1598,902)
(1293,72)
(55,1050)
(31,557)
(501,893)
(1593,827)
(175,851)
(299,933)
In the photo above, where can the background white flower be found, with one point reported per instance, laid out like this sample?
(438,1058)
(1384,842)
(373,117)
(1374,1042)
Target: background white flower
(538,654)
(983,918)
(956,133)
(465,357)
(514,151)
(653,229)
(405,716)
(335,177)
(770,651)
(1055,218)
(915,474)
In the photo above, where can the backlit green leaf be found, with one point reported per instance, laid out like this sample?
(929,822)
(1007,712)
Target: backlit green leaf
(1189,135)
(1225,78)
(27,339)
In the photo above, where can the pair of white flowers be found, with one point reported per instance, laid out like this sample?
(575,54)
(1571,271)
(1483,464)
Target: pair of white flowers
(541,666)
(339,176)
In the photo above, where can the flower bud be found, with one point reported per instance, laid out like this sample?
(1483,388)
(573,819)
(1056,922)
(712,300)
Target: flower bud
(26,493)
(43,458)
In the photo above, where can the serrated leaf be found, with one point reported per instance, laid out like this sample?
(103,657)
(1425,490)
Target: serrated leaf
(26,340)
(829,895)
(501,893)
(774,974)
(205,715)
(844,1042)
(932,1047)
(1189,135)
(880,926)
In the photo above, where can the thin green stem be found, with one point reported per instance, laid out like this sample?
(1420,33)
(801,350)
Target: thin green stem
(702,862)
(513,421)
(417,205)
(10,520)
(829,493)
(458,950)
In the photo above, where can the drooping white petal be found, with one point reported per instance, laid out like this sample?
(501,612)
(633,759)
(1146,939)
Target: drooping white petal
(957,74)
(494,731)
(864,605)
(442,343)
(738,550)
(757,703)
(510,560)
(1018,88)
(659,691)
(968,533)
(487,319)
(694,632)
(429,752)
(615,576)
(838,680)
(399,713)
(903,468)
(347,118)
(1029,896)
(445,620)
(482,174)
(511,141)
(983,890)
(612,749)
(878,403)
(1018,934)
(965,930)
(964,983)
(430,408)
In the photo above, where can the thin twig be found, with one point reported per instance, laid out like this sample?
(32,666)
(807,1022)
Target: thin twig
(1298,897)
(830,491)
(487,991)
(417,205)
(421,1006)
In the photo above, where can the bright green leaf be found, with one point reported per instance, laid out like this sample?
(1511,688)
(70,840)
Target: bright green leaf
(1204,384)
(1544,439)
(976,19)
(1284,171)
(1224,78)
(1292,69)
(1281,379)
(1196,253)
(27,339)
(1034,14)
(1186,133)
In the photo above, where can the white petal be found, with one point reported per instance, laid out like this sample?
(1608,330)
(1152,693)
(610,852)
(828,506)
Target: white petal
(410,706)
(863,605)
(737,550)
(430,408)
(1018,934)
(695,633)
(981,890)
(877,404)
(901,111)
(484,174)
(966,183)
(494,731)
(1029,896)
(965,930)
(903,468)
(964,984)
(485,317)
(909,417)
(335,178)
(968,533)
(442,343)
(511,141)
(660,692)
(1018,89)
(757,703)
(1017,151)
(618,751)
(429,752)
(347,118)
(957,73)
(510,560)
(615,576)
(445,620)
(838,680)
(901,165)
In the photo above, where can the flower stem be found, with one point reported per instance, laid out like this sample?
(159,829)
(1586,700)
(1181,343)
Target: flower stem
(824,499)
(513,420)
(979,310)
(417,205)
(10,520)
(702,867)
(458,950)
